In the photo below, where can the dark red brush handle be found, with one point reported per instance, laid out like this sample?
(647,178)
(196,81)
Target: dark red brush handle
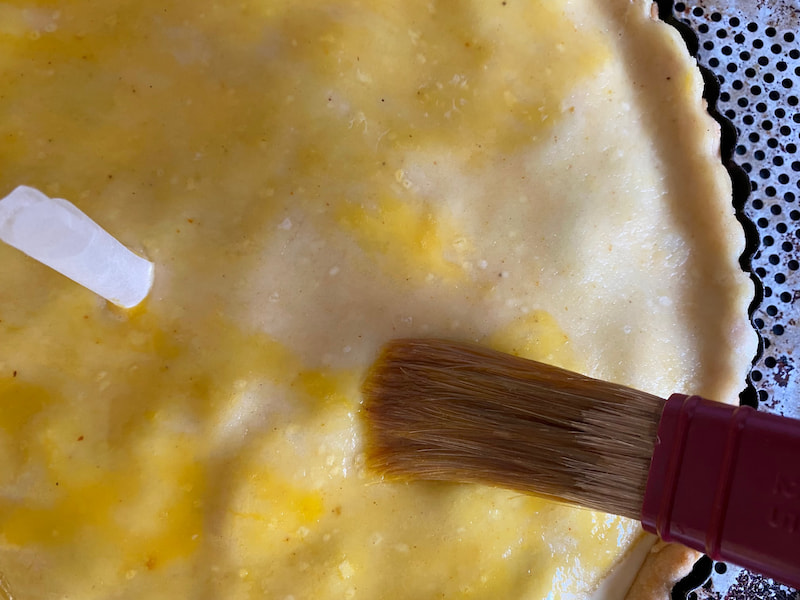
(725,480)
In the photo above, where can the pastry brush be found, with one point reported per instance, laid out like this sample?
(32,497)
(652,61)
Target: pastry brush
(721,479)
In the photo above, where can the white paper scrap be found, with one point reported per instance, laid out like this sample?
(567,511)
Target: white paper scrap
(55,232)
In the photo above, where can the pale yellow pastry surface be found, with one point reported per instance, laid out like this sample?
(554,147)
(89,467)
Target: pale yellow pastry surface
(312,179)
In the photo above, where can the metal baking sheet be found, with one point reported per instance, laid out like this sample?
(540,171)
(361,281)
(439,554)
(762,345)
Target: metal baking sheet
(752,48)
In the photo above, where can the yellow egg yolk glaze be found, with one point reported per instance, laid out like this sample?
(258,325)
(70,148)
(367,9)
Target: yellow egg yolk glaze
(310,179)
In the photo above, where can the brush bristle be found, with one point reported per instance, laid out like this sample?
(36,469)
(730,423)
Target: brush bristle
(442,410)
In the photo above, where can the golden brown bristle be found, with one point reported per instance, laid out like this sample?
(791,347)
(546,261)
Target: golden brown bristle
(443,410)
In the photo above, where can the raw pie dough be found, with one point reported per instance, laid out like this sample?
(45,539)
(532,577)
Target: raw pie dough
(312,179)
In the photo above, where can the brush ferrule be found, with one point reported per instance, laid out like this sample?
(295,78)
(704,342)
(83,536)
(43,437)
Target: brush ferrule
(726,480)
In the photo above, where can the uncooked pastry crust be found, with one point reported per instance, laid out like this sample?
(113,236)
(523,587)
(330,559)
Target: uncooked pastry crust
(574,284)
(663,567)
(668,563)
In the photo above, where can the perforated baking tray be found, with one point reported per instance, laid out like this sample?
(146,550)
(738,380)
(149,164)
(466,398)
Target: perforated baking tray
(750,50)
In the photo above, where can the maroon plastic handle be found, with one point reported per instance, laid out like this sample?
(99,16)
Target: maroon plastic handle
(725,480)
